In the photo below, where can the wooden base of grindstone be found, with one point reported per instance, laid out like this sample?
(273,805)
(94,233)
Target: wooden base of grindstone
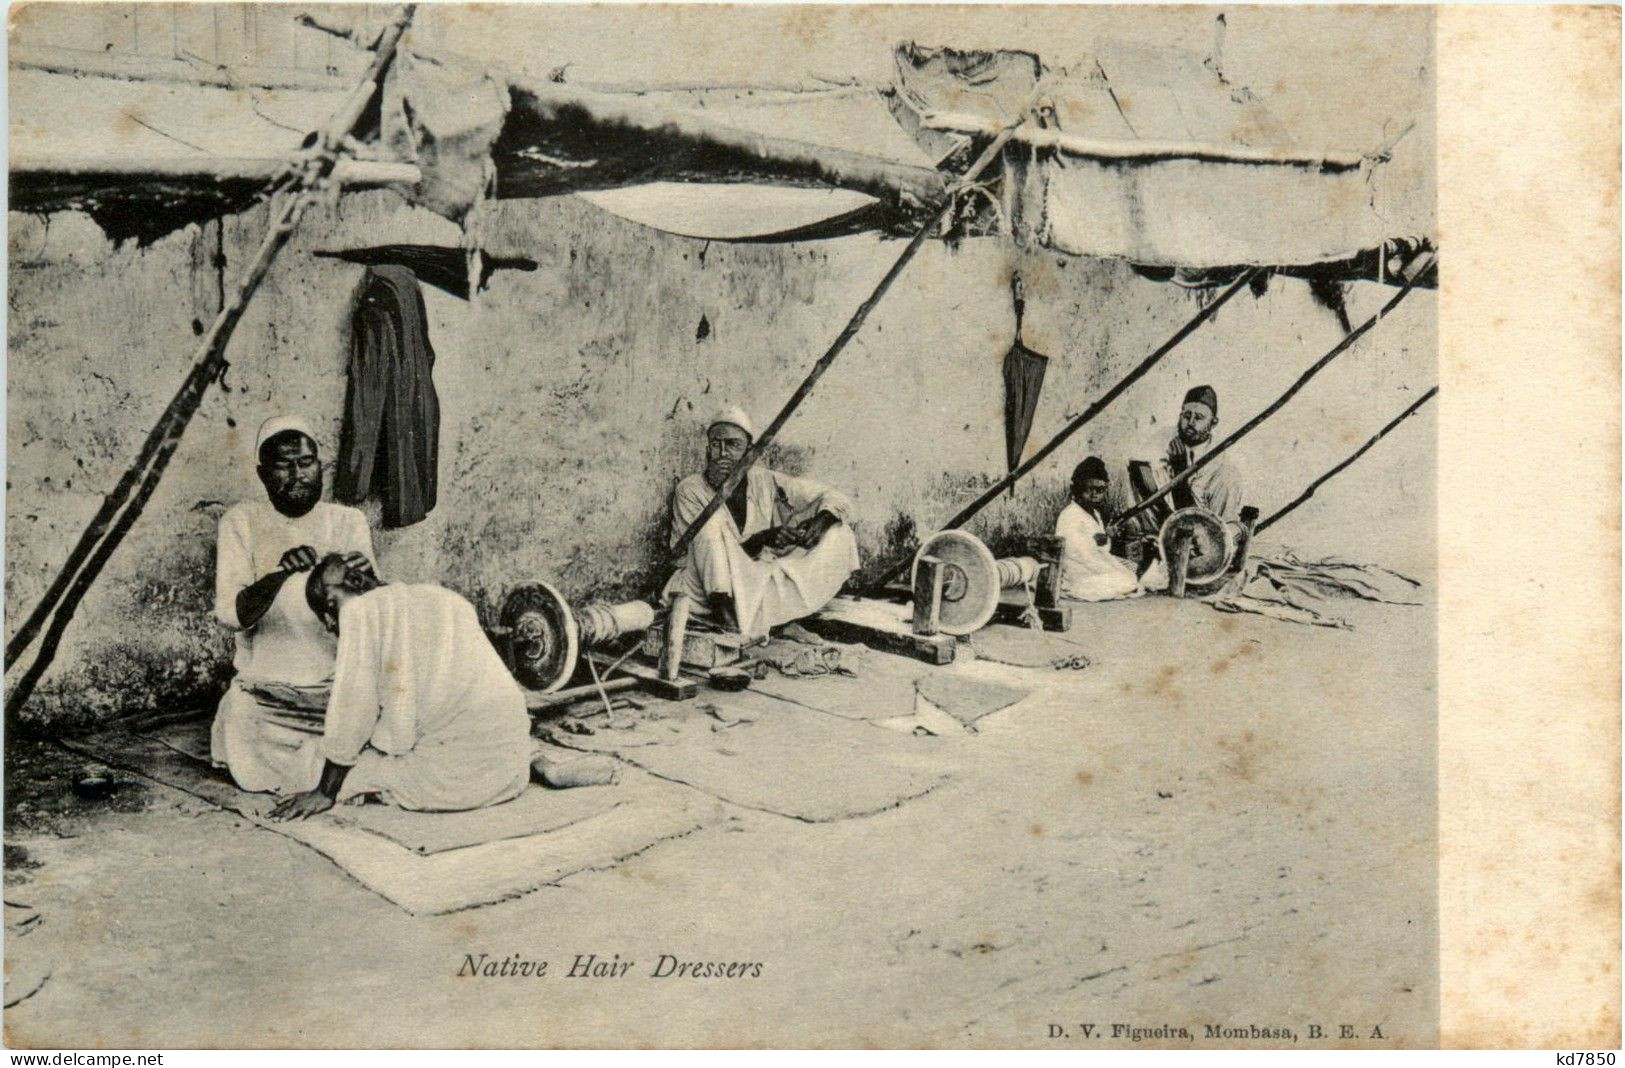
(648,676)
(701,649)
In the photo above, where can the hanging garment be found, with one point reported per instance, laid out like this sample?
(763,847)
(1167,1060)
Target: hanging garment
(390,445)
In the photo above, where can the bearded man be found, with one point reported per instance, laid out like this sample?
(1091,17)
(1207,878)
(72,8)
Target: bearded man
(265,723)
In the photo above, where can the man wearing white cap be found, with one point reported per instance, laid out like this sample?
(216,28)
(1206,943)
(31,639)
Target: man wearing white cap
(282,648)
(778,552)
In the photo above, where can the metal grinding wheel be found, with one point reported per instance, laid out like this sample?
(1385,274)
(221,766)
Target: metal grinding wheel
(1212,544)
(542,638)
(970,580)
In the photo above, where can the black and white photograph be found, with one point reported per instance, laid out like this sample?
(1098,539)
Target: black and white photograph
(544,525)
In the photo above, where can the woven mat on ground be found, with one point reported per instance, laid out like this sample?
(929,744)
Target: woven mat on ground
(1024,647)
(502,855)
(967,700)
(884,687)
(536,811)
(766,754)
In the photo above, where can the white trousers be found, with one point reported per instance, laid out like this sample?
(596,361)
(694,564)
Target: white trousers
(266,749)
(777,589)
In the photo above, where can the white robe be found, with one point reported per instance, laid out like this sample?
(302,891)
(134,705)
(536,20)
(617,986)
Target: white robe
(1089,570)
(423,710)
(264,746)
(780,587)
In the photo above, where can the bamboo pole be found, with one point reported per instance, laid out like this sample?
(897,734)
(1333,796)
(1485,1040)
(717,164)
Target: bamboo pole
(1100,405)
(103,535)
(846,335)
(1415,407)
(1421,271)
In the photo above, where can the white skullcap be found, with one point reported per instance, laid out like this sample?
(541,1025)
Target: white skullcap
(735,417)
(281,424)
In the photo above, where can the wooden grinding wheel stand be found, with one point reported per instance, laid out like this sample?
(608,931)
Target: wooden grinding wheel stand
(958,588)
(955,569)
(1201,551)
(545,641)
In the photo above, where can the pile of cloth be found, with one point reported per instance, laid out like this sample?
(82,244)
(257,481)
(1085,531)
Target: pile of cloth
(1293,590)
(796,652)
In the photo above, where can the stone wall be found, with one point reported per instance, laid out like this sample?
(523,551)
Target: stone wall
(573,395)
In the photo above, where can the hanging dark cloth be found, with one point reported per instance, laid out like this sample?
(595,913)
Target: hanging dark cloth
(391,439)
(1023,381)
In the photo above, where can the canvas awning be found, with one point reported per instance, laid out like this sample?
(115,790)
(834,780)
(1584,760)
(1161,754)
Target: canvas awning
(145,157)
(1156,159)
(1151,157)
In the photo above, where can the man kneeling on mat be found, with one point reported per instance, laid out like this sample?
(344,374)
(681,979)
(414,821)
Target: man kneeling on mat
(423,714)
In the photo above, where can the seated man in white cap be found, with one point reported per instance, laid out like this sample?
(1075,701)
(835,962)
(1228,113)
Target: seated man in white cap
(778,552)
(281,648)
(424,714)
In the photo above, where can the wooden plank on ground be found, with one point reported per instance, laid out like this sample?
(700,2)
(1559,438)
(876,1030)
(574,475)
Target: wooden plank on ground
(879,626)
(648,676)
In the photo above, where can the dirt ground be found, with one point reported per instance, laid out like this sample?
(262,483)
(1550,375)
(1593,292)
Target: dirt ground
(1225,821)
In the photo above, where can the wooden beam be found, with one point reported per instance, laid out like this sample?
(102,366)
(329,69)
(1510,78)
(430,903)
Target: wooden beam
(845,620)
(134,68)
(648,678)
(1129,150)
(256,170)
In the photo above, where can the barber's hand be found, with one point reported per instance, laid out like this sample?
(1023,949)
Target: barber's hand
(302,806)
(301,559)
(357,561)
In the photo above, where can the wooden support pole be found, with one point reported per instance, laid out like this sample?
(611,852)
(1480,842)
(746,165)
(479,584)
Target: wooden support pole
(671,657)
(122,507)
(1361,451)
(1100,405)
(841,341)
(927,596)
(1416,272)
(1179,562)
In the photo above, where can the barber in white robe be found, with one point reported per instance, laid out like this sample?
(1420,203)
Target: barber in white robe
(778,551)
(424,714)
(263,544)
(1090,572)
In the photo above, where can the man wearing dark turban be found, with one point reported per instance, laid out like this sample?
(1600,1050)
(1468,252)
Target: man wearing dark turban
(1217,486)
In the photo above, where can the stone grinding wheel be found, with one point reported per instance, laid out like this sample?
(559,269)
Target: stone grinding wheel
(970,580)
(1212,544)
(543,641)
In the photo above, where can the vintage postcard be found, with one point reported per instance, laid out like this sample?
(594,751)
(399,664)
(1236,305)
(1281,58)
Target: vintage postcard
(555,525)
